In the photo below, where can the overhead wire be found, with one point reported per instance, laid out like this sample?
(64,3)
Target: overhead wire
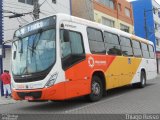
(51,6)
(42,3)
(24,20)
(19,21)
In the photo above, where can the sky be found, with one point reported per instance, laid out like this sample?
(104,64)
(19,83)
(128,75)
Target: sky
(158,1)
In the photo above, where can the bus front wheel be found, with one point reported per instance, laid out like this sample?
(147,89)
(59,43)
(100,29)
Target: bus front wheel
(96,89)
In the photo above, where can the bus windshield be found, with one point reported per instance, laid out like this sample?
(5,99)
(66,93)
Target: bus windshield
(34,53)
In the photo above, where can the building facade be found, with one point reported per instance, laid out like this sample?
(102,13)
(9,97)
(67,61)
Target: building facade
(113,13)
(147,23)
(83,9)
(47,7)
(156,18)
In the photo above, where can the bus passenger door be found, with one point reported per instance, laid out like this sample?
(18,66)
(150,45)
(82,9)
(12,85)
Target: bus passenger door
(73,58)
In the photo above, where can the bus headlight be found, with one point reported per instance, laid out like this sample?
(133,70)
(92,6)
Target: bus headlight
(51,80)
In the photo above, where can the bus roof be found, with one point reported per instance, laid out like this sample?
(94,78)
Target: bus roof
(97,25)
(110,29)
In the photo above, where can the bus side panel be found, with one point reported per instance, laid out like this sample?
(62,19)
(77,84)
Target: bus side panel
(79,76)
(122,71)
(119,71)
(152,69)
(76,84)
(149,65)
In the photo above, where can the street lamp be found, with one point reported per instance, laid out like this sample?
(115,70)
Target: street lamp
(145,18)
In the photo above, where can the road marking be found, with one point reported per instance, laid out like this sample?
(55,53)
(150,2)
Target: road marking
(92,104)
(99,102)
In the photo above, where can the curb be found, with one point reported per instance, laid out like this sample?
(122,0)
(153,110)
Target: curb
(5,101)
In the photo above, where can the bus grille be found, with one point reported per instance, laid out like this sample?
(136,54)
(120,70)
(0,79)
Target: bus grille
(35,95)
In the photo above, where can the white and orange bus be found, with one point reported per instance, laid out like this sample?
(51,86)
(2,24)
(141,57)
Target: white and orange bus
(62,57)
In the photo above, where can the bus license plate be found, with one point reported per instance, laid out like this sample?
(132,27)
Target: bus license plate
(28,98)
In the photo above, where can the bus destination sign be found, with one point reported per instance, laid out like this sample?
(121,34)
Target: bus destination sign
(36,25)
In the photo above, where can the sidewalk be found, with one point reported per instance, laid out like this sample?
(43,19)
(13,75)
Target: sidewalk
(5,101)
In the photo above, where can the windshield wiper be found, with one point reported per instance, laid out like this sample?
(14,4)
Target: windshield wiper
(32,48)
(25,69)
(34,45)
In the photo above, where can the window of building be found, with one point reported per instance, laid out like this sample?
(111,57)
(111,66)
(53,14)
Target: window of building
(154,10)
(159,14)
(119,7)
(136,48)
(22,1)
(96,43)
(156,26)
(145,51)
(54,1)
(30,2)
(126,46)
(107,22)
(157,42)
(108,3)
(111,4)
(127,12)
(124,28)
(112,44)
(151,51)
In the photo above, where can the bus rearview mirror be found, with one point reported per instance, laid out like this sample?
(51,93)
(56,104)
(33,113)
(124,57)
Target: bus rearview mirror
(14,55)
(66,36)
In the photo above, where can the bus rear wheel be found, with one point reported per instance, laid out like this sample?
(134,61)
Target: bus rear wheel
(96,89)
(142,83)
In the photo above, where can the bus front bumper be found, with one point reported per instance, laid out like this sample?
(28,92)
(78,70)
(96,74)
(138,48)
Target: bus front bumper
(55,92)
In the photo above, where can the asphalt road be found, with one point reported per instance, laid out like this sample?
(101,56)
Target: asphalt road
(126,100)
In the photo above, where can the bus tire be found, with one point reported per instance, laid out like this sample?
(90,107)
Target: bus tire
(142,83)
(96,89)
(37,100)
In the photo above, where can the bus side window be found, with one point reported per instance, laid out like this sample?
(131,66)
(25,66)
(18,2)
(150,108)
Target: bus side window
(96,43)
(112,44)
(126,46)
(145,50)
(65,46)
(136,48)
(151,51)
(72,49)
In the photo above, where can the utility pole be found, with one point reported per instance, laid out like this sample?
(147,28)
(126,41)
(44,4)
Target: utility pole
(36,9)
(145,25)
(1,46)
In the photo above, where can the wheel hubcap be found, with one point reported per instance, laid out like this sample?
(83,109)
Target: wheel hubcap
(96,88)
(143,81)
